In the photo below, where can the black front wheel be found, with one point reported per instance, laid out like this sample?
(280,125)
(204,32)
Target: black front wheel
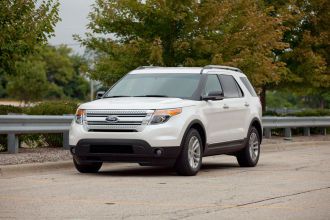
(86,167)
(249,156)
(190,160)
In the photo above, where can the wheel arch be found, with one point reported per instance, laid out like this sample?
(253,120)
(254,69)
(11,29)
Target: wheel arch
(198,125)
(257,124)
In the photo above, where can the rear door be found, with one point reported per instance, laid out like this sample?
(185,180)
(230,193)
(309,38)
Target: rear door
(235,106)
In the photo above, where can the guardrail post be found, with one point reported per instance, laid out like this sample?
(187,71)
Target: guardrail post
(268,133)
(324,131)
(307,132)
(287,132)
(12,143)
(66,140)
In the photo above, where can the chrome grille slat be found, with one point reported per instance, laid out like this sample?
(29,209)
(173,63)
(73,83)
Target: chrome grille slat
(127,119)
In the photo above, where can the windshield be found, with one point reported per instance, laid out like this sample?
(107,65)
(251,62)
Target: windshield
(156,85)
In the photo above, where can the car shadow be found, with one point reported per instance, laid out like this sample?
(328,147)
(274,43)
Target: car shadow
(161,171)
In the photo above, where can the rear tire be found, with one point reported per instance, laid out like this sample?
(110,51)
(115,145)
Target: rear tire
(249,156)
(190,160)
(86,167)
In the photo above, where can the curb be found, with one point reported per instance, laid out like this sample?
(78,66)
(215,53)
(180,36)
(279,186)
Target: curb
(284,146)
(17,169)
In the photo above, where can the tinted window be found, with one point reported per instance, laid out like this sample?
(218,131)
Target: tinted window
(230,87)
(248,85)
(212,84)
(160,84)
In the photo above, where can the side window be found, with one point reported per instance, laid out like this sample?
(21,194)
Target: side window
(230,87)
(248,85)
(212,84)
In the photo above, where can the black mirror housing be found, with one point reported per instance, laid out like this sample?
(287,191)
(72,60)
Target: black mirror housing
(213,95)
(100,94)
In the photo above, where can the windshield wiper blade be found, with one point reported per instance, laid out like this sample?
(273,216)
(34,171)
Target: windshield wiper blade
(116,96)
(151,96)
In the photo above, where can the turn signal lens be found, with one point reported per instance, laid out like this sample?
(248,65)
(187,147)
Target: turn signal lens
(80,115)
(170,112)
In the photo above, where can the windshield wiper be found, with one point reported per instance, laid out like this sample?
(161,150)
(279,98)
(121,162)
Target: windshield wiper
(116,96)
(151,96)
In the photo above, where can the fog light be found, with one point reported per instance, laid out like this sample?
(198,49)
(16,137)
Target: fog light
(158,152)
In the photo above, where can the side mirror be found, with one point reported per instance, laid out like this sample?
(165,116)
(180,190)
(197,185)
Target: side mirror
(99,94)
(213,95)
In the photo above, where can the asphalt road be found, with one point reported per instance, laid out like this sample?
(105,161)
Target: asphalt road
(289,183)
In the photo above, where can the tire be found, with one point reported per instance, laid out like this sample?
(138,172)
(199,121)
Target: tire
(86,167)
(189,161)
(249,156)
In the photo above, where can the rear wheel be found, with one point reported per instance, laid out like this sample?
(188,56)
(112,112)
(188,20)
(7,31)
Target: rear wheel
(86,167)
(190,160)
(249,156)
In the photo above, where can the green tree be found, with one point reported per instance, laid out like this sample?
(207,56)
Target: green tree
(308,31)
(64,72)
(127,34)
(30,82)
(23,26)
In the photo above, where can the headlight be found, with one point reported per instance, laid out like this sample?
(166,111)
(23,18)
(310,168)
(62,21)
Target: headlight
(80,116)
(163,115)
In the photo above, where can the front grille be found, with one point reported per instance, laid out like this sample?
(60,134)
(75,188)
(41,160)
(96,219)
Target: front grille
(111,120)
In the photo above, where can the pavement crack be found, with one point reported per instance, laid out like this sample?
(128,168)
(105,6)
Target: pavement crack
(254,202)
(279,197)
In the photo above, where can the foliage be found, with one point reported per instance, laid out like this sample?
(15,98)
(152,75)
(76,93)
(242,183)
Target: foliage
(304,113)
(29,83)
(308,59)
(51,74)
(53,108)
(24,25)
(189,33)
(5,109)
(64,72)
(283,99)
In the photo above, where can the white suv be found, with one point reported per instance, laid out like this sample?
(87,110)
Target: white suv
(170,116)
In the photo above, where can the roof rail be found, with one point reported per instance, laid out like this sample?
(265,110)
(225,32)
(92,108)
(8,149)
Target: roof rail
(221,67)
(146,67)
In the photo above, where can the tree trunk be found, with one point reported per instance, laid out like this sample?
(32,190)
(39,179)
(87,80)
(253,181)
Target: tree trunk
(263,98)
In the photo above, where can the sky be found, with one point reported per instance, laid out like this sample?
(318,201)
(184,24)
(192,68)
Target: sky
(74,20)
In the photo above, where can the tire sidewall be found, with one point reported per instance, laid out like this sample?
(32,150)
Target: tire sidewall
(185,151)
(247,148)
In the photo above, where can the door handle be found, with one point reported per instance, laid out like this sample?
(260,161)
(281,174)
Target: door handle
(225,106)
(246,104)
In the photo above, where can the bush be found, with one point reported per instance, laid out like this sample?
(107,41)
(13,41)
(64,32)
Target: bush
(49,108)
(312,112)
(5,109)
(305,113)
(53,108)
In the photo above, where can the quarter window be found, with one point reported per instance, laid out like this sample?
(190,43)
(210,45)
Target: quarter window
(248,85)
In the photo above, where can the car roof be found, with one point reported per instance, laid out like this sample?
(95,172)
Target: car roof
(191,70)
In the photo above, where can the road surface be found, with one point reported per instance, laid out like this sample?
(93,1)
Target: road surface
(289,183)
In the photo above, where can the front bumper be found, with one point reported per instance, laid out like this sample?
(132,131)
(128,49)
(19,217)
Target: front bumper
(124,150)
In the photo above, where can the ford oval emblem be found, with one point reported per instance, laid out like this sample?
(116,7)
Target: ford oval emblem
(112,119)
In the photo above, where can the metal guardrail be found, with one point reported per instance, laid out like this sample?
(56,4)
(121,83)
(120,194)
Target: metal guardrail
(12,125)
(288,123)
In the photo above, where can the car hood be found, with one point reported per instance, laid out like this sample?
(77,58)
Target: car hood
(138,103)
